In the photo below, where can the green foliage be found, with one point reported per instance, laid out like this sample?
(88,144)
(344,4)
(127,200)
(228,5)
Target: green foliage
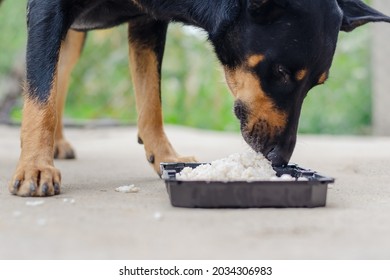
(12,33)
(101,85)
(343,105)
(193,88)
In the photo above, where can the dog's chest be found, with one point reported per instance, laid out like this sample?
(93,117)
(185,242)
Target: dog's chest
(103,14)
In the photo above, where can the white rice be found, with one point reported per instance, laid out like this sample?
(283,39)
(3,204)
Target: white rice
(35,202)
(246,166)
(127,189)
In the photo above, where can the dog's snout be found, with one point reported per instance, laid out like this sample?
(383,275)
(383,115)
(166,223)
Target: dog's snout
(280,153)
(277,157)
(276,147)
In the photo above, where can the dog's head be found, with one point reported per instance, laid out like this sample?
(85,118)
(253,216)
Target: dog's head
(281,49)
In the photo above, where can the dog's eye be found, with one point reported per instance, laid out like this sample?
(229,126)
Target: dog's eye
(282,73)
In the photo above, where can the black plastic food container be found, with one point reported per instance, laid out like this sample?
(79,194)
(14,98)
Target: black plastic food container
(241,194)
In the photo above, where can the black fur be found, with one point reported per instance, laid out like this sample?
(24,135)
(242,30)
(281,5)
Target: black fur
(291,34)
(47,26)
(151,34)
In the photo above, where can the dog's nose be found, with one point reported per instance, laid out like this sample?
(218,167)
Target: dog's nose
(278,156)
(280,153)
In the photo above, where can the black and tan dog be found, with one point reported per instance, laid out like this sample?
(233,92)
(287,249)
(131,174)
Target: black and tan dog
(273,52)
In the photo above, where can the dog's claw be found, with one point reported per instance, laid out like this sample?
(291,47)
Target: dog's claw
(63,150)
(16,187)
(151,159)
(56,188)
(70,155)
(33,188)
(45,189)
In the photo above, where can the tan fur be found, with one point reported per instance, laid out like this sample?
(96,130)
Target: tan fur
(254,60)
(323,78)
(301,74)
(247,88)
(35,168)
(144,70)
(69,55)
(41,131)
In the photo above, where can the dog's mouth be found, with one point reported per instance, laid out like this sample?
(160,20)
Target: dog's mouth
(271,141)
(278,151)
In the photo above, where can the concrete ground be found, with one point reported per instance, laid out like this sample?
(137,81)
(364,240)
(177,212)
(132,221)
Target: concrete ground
(89,220)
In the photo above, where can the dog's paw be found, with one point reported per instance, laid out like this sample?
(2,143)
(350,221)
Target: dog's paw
(63,150)
(35,180)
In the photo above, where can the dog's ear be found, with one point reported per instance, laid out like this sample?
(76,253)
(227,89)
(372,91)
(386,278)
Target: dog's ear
(356,14)
(265,11)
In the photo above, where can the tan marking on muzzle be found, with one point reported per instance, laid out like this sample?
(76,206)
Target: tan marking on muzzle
(301,74)
(247,88)
(254,60)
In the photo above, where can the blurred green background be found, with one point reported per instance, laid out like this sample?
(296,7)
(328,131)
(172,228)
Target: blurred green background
(193,88)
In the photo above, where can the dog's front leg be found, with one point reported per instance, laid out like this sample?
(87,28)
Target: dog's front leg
(147,41)
(35,174)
